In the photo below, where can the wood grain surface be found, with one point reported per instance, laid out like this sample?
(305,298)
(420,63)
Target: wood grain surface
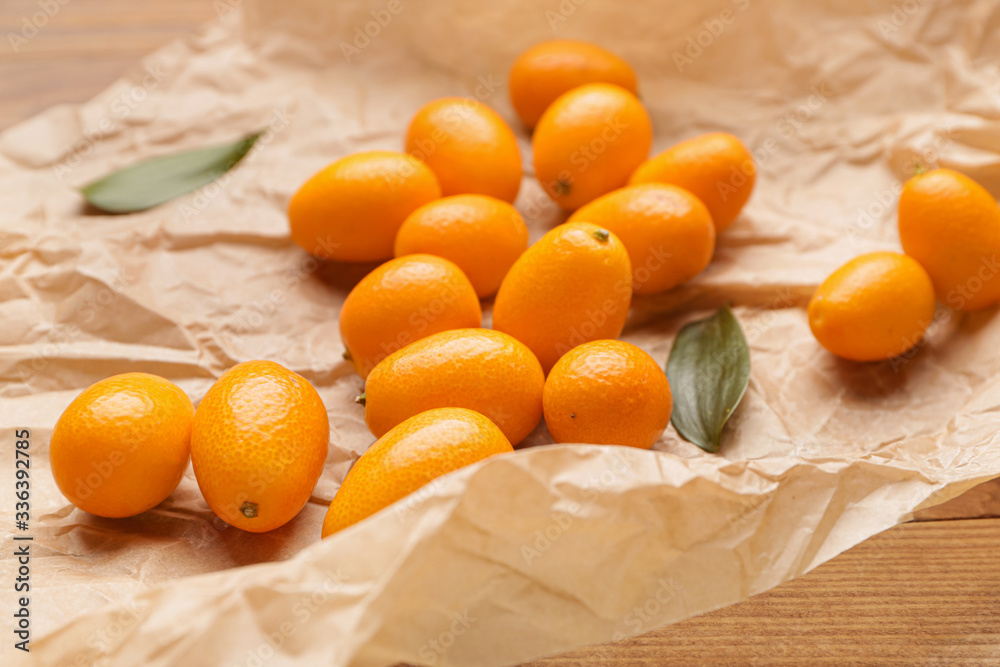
(926,592)
(922,593)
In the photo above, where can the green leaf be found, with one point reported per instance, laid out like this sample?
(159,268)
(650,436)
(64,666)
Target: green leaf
(709,370)
(161,179)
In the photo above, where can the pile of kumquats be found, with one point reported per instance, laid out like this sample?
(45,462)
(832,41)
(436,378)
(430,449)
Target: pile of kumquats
(441,391)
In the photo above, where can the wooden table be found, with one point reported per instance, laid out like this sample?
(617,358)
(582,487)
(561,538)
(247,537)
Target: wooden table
(927,592)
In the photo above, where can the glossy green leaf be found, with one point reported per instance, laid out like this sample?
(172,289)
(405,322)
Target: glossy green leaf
(709,370)
(161,179)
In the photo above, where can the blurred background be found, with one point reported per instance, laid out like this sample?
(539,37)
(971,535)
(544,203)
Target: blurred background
(72,49)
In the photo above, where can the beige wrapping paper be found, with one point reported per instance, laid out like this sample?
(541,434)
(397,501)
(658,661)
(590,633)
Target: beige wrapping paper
(550,547)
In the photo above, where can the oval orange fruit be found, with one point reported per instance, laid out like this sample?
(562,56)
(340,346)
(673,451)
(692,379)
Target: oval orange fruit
(468,146)
(607,392)
(589,141)
(122,445)
(479,369)
(547,70)
(573,286)
(258,445)
(351,210)
(483,235)
(716,167)
(401,301)
(412,454)
(667,231)
(951,225)
(874,307)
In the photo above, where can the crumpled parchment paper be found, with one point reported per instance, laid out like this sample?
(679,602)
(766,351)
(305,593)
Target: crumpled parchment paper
(550,547)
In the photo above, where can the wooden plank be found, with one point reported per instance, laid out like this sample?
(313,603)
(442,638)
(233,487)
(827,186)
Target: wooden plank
(979,502)
(82,48)
(921,593)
